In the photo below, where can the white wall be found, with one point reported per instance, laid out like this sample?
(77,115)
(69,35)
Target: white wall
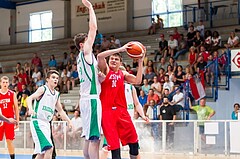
(5,24)
(142,7)
(24,11)
(108,22)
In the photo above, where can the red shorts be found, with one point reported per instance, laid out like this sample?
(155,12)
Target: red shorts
(117,125)
(8,130)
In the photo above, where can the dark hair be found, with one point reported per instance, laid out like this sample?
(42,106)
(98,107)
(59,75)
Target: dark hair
(236,105)
(79,38)
(50,72)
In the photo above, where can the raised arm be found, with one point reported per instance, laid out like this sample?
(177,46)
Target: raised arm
(92,28)
(102,63)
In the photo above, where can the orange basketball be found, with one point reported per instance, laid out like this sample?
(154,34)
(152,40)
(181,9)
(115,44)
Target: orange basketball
(136,50)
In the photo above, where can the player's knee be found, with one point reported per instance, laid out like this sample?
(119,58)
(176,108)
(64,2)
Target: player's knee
(116,154)
(134,149)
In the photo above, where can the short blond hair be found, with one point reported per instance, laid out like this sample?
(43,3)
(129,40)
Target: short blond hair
(4,78)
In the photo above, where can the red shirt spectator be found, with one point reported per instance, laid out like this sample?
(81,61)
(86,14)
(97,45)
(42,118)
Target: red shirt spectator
(152,96)
(36,61)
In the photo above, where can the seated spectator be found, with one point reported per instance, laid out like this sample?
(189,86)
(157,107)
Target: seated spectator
(52,63)
(129,69)
(200,28)
(177,100)
(23,75)
(191,24)
(170,73)
(166,93)
(172,62)
(35,75)
(176,34)
(159,24)
(105,44)
(145,87)
(172,46)
(161,76)
(114,43)
(190,36)
(13,84)
(25,90)
(63,80)
(235,112)
(192,57)
(36,62)
(216,41)
(152,28)
(135,63)
(98,40)
(189,72)
(18,94)
(74,79)
(18,68)
(182,47)
(179,75)
(149,76)
(28,69)
(233,41)
(40,81)
(64,61)
(198,41)
(163,48)
(168,84)
(74,134)
(201,64)
(209,74)
(142,98)
(23,107)
(153,110)
(208,40)
(152,96)
(156,86)
(162,64)
(204,53)
(72,59)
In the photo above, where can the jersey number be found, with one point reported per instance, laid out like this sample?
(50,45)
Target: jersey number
(5,105)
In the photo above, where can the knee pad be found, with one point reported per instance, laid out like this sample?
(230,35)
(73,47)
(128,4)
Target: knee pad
(133,149)
(116,154)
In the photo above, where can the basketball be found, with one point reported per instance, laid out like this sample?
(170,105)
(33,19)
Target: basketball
(136,51)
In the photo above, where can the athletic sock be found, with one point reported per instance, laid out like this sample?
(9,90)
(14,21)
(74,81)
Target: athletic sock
(12,156)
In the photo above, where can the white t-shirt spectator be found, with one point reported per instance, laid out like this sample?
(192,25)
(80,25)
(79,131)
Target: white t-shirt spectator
(231,41)
(168,85)
(200,28)
(216,40)
(173,44)
(150,112)
(177,97)
(35,76)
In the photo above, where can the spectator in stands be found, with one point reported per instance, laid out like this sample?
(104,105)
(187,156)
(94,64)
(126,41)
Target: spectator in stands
(203,113)
(159,24)
(209,74)
(152,28)
(235,111)
(190,36)
(162,64)
(178,100)
(40,82)
(145,87)
(28,69)
(19,84)
(23,75)
(198,41)
(179,75)
(98,40)
(200,28)
(204,53)
(200,64)
(63,80)
(74,79)
(176,34)
(167,112)
(114,43)
(72,59)
(208,40)
(35,75)
(163,48)
(36,62)
(161,76)
(182,47)
(168,84)
(191,24)
(129,69)
(149,64)
(167,93)
(75,134)
(216,41)
(192,56)
(152,96)
(17,69)
(153,110)
(156,86)
(170,73)
(135,63)
(105,44)
(18,94)
(52,63)
(25,90)
(189,72)
(173,63)
(172,46)
(12,84)
(233,41)
(64,61)
(142,98)
(149,76)
(23,107)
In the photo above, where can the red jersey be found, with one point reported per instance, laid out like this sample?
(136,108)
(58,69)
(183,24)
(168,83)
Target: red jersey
(7,104)
(112,91)
(192,58)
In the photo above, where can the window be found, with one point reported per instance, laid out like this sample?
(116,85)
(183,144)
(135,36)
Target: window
(165,9)
(40,26)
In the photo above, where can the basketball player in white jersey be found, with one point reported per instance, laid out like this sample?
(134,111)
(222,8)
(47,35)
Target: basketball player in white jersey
(46,100)
(90,88)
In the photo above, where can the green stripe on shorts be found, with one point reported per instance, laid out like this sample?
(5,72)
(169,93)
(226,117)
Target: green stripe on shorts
(94,131)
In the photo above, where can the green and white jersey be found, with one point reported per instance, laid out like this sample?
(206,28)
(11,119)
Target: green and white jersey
(44,107)
(88,76)
(129,99)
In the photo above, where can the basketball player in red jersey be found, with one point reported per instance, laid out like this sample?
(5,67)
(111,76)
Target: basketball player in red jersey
(116,121)
(9,108)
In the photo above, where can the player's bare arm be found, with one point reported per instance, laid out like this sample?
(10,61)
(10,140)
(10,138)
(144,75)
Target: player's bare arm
(62,113)
(91,33)
(16,109)
(35,95)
